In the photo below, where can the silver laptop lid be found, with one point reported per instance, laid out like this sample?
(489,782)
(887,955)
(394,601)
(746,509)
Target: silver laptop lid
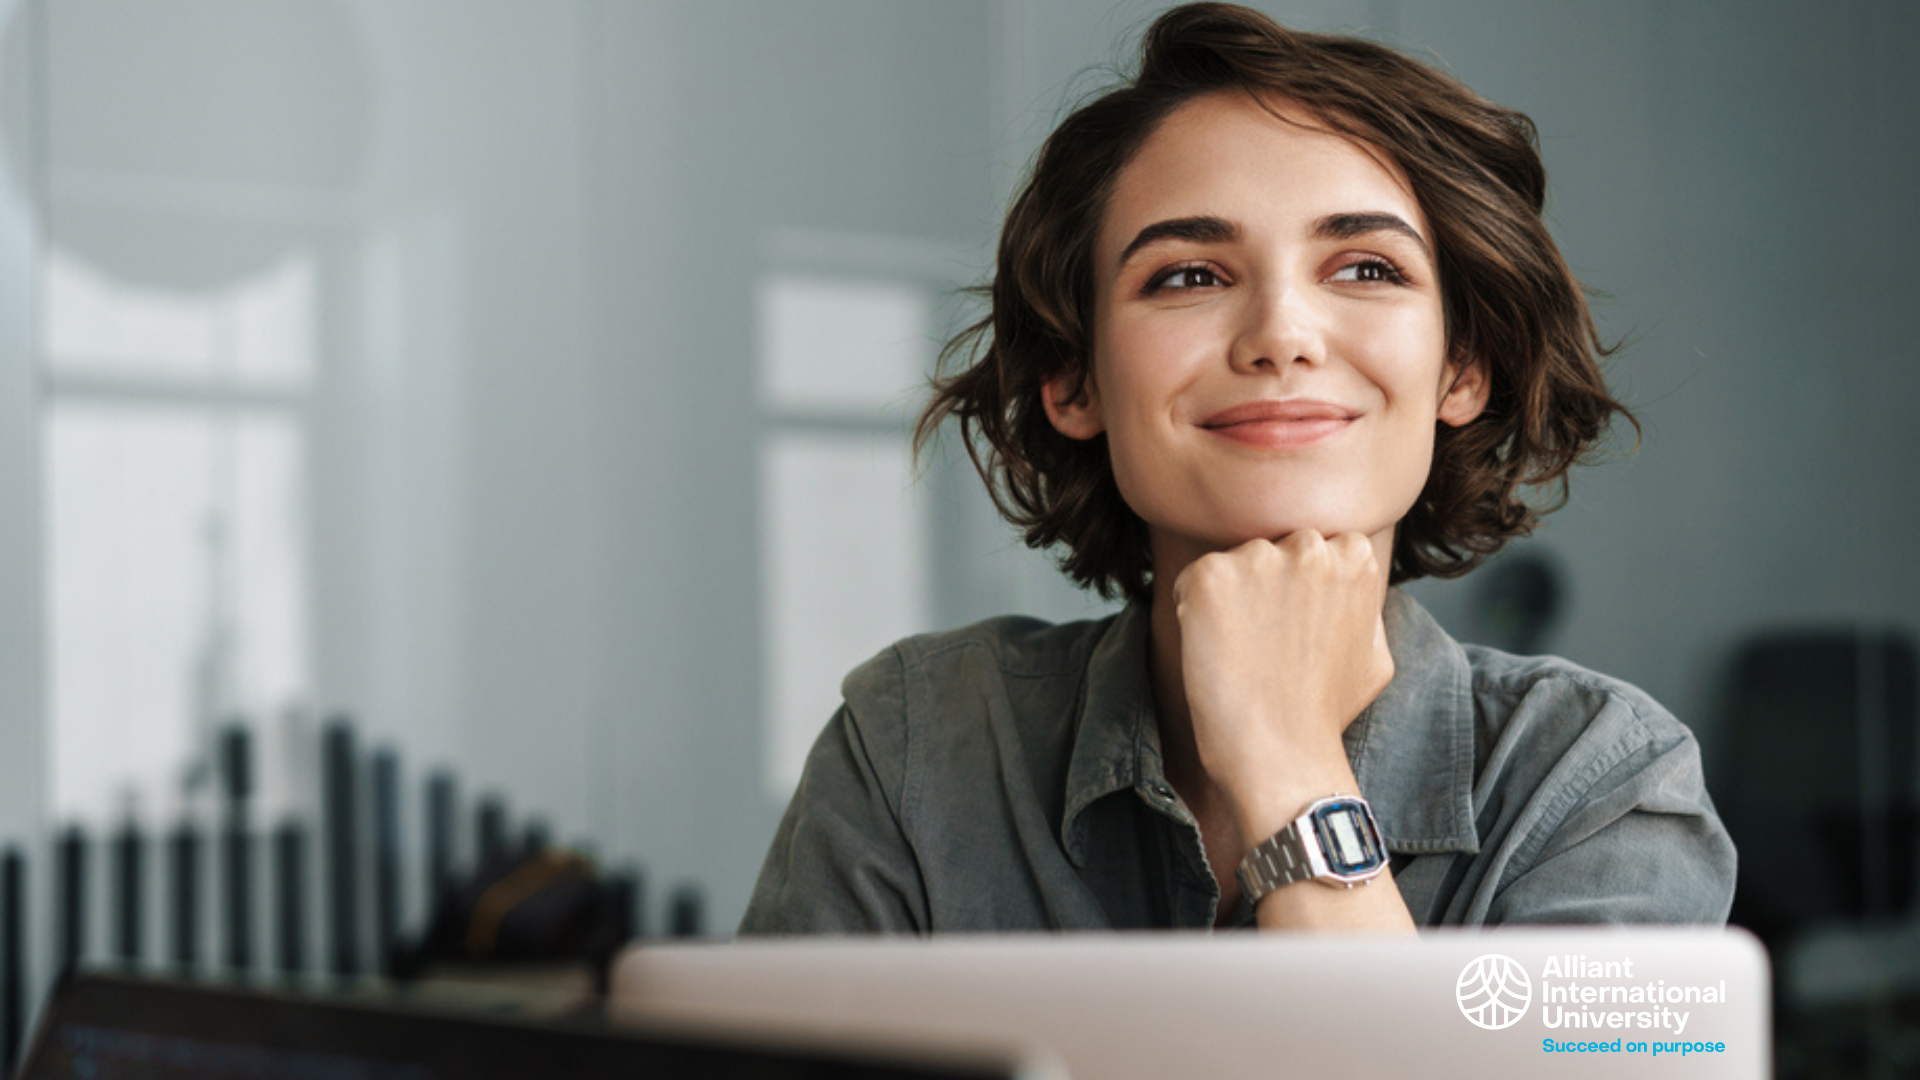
(1468,1004)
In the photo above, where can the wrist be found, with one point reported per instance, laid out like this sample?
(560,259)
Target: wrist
(1334,841)
(1263,804)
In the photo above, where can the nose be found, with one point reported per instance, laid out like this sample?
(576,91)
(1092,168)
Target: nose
(1280,325)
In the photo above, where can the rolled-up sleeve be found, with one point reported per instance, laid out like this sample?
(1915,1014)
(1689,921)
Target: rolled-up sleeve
(840,862)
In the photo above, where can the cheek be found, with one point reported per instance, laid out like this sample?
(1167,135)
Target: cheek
(1130,436)
(1127,368)
(1134,464)
(1403,354)
(1146,363)
(1138,376)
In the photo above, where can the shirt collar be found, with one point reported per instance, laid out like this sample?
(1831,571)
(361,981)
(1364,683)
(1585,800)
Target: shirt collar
(1412,749)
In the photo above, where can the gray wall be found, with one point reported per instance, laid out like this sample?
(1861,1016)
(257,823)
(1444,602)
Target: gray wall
(1737,179)
(22,728)
(535,536)
(20,652)
(717,126)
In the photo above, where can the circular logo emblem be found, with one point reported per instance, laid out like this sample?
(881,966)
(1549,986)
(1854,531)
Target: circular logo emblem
(1494,992)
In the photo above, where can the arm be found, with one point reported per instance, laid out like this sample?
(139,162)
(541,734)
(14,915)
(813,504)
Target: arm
(840,862)
(1639,844)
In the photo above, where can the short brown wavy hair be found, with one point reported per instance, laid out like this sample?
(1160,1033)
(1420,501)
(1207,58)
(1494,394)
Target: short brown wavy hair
(1508,298)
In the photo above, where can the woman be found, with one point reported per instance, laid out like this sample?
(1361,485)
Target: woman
(1275,326)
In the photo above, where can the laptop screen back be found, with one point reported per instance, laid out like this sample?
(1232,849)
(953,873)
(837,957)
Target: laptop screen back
(1467,1004)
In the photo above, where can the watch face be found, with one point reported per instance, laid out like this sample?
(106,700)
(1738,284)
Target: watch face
(1347,837)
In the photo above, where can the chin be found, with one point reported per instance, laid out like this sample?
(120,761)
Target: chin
(1275,526)
(1220,520)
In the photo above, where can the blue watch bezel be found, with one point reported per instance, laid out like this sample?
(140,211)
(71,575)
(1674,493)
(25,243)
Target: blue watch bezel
(1375,856)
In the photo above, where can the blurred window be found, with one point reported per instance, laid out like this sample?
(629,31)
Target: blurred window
(176,457)
(842,360)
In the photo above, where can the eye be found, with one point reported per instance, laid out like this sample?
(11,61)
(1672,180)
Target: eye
(1187,276)
(1369,270)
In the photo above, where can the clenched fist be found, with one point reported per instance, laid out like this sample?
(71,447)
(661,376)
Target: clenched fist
(1281,647)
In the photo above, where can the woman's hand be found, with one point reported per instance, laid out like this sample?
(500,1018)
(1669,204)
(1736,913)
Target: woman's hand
(1281,647)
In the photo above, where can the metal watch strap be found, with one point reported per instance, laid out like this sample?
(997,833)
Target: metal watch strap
(1298,852)
(1278,860)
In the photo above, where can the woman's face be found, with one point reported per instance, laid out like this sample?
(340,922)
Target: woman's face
(1269,349)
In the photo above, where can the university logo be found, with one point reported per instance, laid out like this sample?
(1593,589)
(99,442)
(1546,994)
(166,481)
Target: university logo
(1494,992)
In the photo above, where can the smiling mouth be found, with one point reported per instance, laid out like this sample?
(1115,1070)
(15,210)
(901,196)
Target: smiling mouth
(1279,425)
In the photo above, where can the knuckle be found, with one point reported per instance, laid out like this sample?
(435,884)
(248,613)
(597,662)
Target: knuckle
(1203,575)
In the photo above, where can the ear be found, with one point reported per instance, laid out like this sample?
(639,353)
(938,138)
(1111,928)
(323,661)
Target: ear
(1073,405)
(1464,389)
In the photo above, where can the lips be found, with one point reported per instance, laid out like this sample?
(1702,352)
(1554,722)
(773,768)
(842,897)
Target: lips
(1280,424)
(1256,412)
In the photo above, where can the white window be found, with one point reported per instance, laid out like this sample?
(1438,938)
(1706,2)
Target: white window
(858,547)
(843,360)
(175,465)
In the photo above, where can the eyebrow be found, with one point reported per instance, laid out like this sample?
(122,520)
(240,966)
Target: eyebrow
(1200,230)
(1349,226)
(1214,230)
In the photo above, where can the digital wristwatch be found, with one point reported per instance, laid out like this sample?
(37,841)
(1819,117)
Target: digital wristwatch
(1335,842)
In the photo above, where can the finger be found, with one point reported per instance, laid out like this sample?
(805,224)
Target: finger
(1301,541)
(1348,553)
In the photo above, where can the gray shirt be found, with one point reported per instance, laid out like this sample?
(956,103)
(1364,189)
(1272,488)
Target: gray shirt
(1007,776)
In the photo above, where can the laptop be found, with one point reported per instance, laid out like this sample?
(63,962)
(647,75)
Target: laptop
(1466,1004)
(109,1026)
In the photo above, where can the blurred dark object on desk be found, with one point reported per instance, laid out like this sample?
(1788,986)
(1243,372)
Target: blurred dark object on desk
(515,927)
(536,904)
(543,917)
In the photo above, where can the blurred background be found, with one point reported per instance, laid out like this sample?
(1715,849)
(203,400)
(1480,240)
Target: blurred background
(528,381)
